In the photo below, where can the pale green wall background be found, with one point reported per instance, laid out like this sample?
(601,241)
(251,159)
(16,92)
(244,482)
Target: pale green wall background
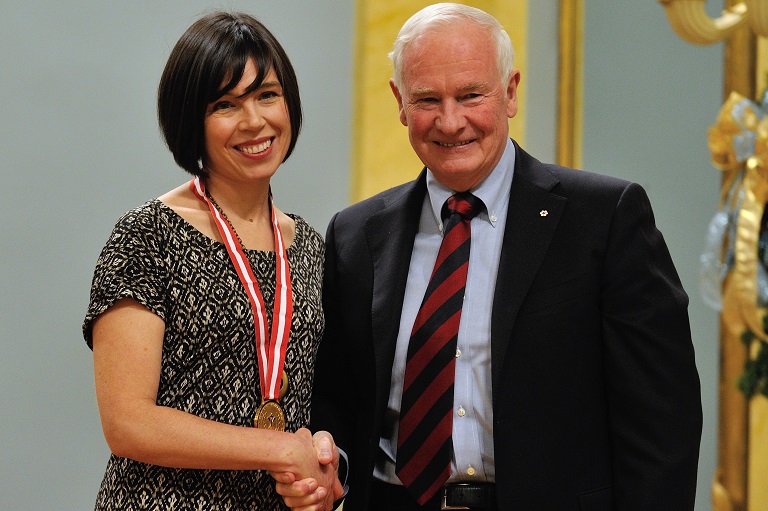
(79,146)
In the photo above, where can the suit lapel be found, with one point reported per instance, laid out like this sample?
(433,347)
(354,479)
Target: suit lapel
(390,234)
(532,218)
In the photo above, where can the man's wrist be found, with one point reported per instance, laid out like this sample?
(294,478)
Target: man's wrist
(342,472)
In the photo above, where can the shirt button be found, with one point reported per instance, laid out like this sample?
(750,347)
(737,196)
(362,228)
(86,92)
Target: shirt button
(458,352)
(461,412)
(493,218)
(471,470)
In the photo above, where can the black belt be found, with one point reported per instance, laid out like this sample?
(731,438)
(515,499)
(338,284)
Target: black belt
(454,496)
(469,496)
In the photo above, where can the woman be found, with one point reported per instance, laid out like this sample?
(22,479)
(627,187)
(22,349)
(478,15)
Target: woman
(205,312)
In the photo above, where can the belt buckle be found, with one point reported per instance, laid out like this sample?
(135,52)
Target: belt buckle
(444,503)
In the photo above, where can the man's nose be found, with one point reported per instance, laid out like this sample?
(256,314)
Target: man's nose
(451,117)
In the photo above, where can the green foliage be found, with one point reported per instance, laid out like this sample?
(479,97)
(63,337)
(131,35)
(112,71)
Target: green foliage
(754,379)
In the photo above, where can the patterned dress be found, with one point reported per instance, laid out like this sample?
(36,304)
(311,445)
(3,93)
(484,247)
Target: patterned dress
(209,364)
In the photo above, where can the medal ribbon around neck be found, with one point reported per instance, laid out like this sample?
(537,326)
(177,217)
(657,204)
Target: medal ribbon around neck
(271,349)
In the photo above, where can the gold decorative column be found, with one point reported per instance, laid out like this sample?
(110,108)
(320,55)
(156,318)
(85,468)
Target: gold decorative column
(741,480)
(570,80)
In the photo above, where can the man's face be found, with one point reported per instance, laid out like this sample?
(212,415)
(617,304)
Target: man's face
(454,103)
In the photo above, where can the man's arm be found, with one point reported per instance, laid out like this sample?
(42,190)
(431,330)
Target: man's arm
(329,396)
(655,415)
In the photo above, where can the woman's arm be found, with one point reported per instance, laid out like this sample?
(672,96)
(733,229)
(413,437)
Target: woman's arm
(127,349)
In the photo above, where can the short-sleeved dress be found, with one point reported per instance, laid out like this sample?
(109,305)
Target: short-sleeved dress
(209,365)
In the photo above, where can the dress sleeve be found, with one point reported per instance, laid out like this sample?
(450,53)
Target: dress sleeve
(131,265)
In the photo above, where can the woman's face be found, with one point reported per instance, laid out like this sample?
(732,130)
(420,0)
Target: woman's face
(247,135)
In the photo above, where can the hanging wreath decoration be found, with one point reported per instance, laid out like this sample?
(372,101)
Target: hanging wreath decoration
(737,240)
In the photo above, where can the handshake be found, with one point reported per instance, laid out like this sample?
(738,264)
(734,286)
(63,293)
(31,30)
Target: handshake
(313,485)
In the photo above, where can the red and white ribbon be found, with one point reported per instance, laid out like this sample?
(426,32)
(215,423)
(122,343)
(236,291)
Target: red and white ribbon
(271,343)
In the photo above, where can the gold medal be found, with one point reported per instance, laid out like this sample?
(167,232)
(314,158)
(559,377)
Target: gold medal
(270,416)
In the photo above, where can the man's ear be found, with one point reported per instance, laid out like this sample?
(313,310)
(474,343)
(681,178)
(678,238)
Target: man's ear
(514,80)
(399,99)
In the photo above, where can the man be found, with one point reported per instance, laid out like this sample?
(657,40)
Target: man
(573,381)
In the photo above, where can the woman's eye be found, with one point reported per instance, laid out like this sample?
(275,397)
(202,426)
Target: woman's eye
(221,105)
(268,95)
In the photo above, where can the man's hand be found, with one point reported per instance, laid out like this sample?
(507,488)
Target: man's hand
(327,453)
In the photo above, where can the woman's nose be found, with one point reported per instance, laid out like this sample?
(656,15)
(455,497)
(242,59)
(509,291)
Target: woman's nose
(251,118)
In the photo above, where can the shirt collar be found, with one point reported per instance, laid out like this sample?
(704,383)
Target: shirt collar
(493,190)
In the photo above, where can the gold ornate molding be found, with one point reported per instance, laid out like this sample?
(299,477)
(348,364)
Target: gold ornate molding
(689,19)
(737,25)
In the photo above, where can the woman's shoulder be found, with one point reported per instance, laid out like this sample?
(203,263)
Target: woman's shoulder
(190,210)
(306,237)
(152,216)
(159,216)
(305,228)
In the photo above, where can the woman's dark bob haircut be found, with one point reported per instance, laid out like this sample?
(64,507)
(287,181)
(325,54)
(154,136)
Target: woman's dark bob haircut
(212,52)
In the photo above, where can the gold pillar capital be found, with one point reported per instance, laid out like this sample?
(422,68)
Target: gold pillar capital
(690,21)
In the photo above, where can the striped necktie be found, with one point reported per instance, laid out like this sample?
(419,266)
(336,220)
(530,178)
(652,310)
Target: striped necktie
(426,410)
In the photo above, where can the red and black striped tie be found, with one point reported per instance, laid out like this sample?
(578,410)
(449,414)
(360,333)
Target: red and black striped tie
(426,410)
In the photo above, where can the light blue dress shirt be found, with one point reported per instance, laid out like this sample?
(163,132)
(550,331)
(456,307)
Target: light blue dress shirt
(473,411)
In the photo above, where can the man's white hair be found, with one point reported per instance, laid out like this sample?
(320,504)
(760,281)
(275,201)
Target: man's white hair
(444,15)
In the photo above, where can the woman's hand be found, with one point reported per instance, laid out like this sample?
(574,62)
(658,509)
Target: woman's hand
(321,488)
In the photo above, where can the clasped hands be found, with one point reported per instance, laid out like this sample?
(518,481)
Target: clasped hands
(315,485)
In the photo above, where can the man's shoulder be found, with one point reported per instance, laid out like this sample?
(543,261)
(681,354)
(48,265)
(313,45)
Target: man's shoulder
(567,180)
(588,178)
(396,196)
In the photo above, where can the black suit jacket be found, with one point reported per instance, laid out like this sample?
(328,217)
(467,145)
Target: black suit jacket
(596,396)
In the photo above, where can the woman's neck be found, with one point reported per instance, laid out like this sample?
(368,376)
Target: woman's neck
(241,203)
